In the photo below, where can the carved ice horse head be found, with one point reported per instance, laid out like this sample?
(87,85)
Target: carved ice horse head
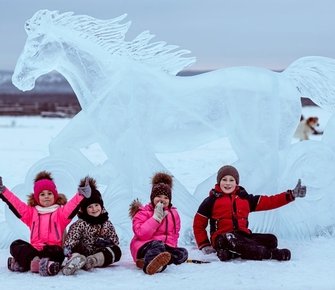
(84,50)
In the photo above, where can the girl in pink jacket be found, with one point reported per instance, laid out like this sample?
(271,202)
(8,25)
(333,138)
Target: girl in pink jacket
(156,229)
(47,213)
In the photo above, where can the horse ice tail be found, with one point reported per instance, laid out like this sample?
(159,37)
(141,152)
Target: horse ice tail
(314,77)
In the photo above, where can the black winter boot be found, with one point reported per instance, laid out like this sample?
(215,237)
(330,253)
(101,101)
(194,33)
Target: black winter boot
(224,255)
(226,241)
(225,246)
(281,254)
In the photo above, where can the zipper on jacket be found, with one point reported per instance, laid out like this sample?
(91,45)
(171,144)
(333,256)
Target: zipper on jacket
(32,230)
(235,221)
(166,229)
(56,231)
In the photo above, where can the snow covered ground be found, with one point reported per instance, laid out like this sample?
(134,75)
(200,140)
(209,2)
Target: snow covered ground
(311,267)
(25,140)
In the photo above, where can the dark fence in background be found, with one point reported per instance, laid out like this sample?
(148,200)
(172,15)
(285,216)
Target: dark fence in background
(45,104)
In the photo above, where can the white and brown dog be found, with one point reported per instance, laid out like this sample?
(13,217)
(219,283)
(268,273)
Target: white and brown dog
(306,128)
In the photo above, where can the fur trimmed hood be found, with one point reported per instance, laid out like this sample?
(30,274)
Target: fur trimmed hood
(134,207)
(61,200)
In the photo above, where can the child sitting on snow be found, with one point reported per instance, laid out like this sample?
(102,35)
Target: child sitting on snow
(227,208)
(47,214)
(92,240)
(156,229)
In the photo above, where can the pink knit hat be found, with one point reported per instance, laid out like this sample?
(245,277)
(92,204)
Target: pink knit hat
(44,184)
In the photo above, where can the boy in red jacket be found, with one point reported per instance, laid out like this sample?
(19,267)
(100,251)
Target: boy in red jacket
(227,209)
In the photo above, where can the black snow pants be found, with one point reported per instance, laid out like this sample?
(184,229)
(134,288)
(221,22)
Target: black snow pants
(23,253)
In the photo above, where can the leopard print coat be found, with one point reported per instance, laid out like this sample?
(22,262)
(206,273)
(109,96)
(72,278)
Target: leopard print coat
(82,236)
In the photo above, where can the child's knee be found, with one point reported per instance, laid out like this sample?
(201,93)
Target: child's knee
(111,255)
(179,256)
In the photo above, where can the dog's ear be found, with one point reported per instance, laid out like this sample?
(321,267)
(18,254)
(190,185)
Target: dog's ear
(310,120)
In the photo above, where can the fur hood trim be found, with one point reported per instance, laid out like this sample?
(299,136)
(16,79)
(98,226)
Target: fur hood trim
(61,200)
(134,207)
(92,182)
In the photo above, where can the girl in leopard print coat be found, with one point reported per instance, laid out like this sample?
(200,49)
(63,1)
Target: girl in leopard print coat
(92,240)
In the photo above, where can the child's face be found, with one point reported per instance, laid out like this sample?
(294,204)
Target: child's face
(162,198)
(228,184)
(94,209)
(46,198)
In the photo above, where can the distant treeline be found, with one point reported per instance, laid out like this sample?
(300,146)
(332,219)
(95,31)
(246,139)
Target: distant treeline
(30,104)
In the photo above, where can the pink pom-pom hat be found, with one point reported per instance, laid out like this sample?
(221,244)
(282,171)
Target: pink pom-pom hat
(44,184)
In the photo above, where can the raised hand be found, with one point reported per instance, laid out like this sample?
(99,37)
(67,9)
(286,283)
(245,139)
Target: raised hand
(299,190)
(85,190)
(159,212)
(2,187)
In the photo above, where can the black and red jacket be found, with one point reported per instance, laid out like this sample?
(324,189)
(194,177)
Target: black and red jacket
(229,212)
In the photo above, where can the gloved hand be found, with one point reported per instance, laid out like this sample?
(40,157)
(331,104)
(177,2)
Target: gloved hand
(85,190)
(299,190)
(67,252)
(103,242)
(2,187)
(208,250)
(159,213)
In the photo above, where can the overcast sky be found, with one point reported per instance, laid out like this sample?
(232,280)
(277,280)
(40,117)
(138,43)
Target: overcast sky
(219,33)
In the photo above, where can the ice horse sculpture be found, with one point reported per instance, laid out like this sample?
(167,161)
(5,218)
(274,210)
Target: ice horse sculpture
(134,106)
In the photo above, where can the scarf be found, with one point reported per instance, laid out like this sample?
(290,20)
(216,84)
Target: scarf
(103,217)
(48,209)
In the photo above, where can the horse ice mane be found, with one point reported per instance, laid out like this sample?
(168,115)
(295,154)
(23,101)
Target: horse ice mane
(110,36)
